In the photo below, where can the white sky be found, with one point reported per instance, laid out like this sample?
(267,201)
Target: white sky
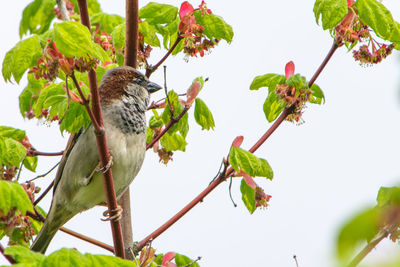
(325,170)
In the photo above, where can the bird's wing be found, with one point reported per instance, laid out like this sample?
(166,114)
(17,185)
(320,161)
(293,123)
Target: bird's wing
(70,144)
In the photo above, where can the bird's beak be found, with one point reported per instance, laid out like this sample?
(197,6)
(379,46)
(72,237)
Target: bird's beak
(152,87)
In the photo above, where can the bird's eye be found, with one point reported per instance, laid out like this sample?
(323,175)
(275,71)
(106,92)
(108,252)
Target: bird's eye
(139,79)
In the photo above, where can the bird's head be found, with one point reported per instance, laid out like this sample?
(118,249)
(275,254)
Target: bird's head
(121,82)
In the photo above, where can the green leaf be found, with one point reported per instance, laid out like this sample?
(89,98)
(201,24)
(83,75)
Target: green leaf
(155,122)
(273,106)
(75,118)
(388,196)
(203,115)
(37,17)
(357,230)
(12,152)
(30,94)
(297,81)
(24,255)
(21,57)
(149,135)
(248,196)
(51,90)
(379,18)
(149,33)
(182,126)
(13,133)
(106,21)
(242,160)
(182,260)
(156,13)
(118,36)
(173,142)
(74,40)
(331,11)
(214,26)
(317,96)
(30,163)
(13,195)
(268,80)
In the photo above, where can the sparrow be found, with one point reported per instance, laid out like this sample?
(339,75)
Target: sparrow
(78,186)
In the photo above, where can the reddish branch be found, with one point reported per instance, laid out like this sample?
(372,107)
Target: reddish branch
(33,152)
(151,69)
(222,177)
(104,153)
(88,239)
(44,193)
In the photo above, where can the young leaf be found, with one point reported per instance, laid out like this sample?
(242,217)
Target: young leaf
(203,115)
(24,255)
(173,142)
(149,33)
(268,80)
(156,13)
(13,133)
(388,195)
(30,163)
(297,81)
(331,11)
(21,57)
(242,160)
(272,107)
(248,196)
(93,6)
(37,17)
(214,26)
(182,260)
(106,22)
(118,36)
(317,96)
(13,152)
(375,15)
(13,195)
(75,118)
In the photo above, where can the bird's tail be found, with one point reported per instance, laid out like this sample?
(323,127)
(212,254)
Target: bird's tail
(44,237)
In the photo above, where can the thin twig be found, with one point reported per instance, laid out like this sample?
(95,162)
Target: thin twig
(44,174)
(34,152)
(167,127)
(151,69)
(87,239)
(44,193)
(20,168)
(63,10)
(295,260)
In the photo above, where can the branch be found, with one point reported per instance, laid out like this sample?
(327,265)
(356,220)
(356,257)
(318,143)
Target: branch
(33,152)
(88,239)
(222,177)
(151,69)
(8,257)
(44,193)
(131,50)
(104,153)
(63,10)
(167,127)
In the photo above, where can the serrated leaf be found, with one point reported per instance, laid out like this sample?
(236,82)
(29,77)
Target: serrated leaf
(379,18)
(242,160)
(331,12)
(106,22)
(37,17)
(273,106)
(10,132)
(317,96)
(297,81)
(359,229)
(74,40)
(214,26)
(182,125)
(173,142)
(182,260)
(13,195)
(149,33)
(248,196)
(51,90)
(203,115)
(270,80)
(12,152)
(75,118)
(24,255)
(21,57)
(149,135)
(156,13)
(118,36)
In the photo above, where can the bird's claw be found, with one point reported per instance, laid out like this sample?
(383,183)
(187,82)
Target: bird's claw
(116,217)
(104,169)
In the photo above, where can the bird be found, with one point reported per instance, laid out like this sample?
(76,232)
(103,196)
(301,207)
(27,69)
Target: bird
(78,186)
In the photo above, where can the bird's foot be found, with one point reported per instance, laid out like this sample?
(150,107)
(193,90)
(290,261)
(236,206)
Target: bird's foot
(104,169)
(116,217)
